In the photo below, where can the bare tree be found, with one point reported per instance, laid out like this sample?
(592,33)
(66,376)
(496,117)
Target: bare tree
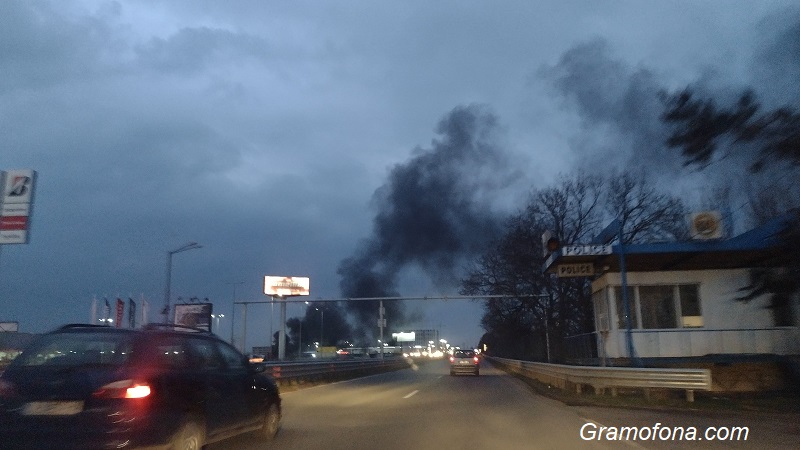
(544,309)
(509,267)
(646,214)
(571,209)
(548,309)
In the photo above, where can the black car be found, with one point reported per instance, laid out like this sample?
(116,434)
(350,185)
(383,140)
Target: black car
(96,387)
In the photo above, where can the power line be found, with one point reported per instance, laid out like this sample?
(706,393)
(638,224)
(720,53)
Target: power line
(361,299)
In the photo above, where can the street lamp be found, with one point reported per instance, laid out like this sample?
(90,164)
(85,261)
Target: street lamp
(216,318)
(321,322)
(189,246)
(233,311)
(300,336)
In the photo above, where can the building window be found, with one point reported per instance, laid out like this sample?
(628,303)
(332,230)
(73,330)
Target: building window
(691,317)
(621,324)
(657,306)
(660,306)
(601,309)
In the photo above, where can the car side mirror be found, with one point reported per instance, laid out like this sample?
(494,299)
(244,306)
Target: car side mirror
(258,367)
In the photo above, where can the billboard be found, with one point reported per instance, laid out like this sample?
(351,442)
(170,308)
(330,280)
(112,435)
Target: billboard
(196,315)
(286,286)
(11,327)
(16,188)
(405,337)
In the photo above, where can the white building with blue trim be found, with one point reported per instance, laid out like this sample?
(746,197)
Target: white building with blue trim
(684,297)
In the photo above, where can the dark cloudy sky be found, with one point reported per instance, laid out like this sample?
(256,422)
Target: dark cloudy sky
(274,133)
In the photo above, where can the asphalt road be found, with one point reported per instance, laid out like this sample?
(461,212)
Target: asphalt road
(426,408)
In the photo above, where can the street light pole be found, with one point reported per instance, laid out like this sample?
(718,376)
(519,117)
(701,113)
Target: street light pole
(167,287)
(233,310)
(321,323)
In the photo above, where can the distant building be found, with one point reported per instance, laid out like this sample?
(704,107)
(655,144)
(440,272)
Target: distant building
(12,343)
(424,337)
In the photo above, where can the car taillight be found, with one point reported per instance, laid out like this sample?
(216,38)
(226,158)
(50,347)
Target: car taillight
(123,389)
(475,358)
(452,359)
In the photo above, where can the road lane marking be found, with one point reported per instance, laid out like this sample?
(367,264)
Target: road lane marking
(409,395)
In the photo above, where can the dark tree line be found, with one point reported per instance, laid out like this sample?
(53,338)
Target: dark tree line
(543,310)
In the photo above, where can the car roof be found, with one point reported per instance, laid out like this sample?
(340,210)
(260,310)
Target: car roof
(149,329)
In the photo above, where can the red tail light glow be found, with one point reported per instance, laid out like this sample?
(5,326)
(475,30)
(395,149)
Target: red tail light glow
(452,359)
(138,391)
(475,358)
(123,389)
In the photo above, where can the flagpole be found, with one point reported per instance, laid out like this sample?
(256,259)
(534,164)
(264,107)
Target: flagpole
(93,315)
(144,310)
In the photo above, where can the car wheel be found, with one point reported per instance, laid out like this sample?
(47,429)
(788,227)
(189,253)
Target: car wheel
(272,422)
(189,437)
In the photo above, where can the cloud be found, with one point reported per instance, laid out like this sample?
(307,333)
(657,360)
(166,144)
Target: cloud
(193,50)
(262,130)
(619,107)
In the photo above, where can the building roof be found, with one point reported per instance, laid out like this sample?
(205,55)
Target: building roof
(15,340)
(758,247)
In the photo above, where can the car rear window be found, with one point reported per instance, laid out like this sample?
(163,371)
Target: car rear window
(77,349)
(464,354)
(171,352)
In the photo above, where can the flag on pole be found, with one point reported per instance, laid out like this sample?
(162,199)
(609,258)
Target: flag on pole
(120,312)
(106,311)
(131,313)
(145,311)
(93,312)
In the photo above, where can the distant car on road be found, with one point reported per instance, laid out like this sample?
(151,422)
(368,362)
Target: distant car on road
(85,386)
(465,361)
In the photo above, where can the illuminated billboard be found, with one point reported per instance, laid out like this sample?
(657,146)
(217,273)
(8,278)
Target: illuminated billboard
(195,315)
(286,286)
(405,337)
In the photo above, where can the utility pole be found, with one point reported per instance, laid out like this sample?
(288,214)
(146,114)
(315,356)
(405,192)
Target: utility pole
(233,307)
(381,324)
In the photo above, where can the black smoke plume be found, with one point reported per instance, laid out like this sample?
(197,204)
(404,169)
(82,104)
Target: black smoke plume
(433,211)
(619,107)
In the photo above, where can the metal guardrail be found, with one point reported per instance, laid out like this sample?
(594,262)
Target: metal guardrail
(295,371)
(602,378)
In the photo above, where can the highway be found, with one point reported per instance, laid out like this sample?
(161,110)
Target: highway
(426,408)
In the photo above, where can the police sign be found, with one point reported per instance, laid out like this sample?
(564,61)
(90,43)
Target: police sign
(586,250)
(575,270)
